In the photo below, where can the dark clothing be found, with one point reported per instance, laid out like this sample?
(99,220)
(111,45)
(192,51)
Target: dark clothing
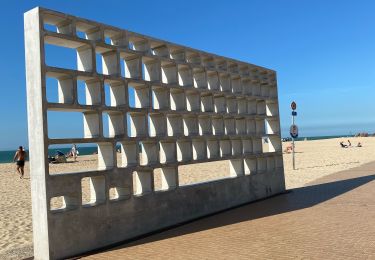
(20,163)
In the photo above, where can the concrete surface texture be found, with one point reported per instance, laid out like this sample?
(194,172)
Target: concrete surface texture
(190,107)
(330,218)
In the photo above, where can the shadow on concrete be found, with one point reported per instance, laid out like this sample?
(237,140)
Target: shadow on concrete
(295,199)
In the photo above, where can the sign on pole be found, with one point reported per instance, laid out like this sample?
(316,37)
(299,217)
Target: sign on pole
(293,105)
(294,131)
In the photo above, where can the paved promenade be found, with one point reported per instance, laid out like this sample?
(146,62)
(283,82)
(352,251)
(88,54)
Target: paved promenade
(332,218)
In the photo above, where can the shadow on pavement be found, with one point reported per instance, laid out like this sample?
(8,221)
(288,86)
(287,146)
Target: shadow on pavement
(296,199)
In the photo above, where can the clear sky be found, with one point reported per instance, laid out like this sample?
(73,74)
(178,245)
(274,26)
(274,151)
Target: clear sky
(323,52)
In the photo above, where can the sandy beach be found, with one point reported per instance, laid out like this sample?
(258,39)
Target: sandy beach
(314,159)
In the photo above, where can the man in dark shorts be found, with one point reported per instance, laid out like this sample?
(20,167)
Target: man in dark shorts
(20,158)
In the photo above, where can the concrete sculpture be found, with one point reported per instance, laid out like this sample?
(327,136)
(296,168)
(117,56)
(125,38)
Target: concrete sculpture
(190,107)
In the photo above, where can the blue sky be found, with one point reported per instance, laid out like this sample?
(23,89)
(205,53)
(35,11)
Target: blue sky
(323,52)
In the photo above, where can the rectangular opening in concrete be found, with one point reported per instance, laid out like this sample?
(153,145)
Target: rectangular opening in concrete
(113,124)
(231,102)
(151,69)
(224,80)
(139,44)
(174,125)
(229,126)
(193,100)
(167,152)
(89,91)
(106,156)
(131,65)
(60,88)
(190,123)
(246,87)
(160,97)
(137,124)
(251,107)
(115,38)
(272,126)
(128,156)
(159,49)
(273,144)
(257,145)
(247,146)
(193,58)
(205,126)
(149,153)
(256,89)
(225,148)
(243,70)
(241,126)
(93,190)
(265,91)
(57,24)
(108,62)
(177,99)
(88,31)
(217,125)
(236,167)
(232,67)
(142,182)
(207,103)
(260,127)
(199,149)
(91,125)
(250,126)
(213,80)
(193,174)
(165,178)
(208,62)
(139,95)
(242,106)
(272,108)
(221,64)
(261,107)
(213,148)
(63,203)
(119,193)
(57,127)
(169,72)
(53,54)
(115,93)
(184,150)
(236,145)
(177,53)
(185,76)
(219,104)
(200,79)
(250,166)
(61,154)
(236,85)
(157,124)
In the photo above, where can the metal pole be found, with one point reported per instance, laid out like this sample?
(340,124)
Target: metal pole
(294,163)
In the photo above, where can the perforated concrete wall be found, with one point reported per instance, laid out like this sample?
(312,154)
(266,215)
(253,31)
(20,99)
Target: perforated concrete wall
(190,107)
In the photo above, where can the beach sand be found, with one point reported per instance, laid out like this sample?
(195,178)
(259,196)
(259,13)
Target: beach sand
(314,159)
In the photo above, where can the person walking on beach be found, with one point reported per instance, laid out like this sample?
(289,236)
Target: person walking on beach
(20,158)
(74,152)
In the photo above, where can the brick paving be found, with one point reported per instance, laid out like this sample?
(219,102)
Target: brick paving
(332,218)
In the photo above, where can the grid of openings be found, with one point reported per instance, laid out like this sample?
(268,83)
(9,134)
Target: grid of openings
(158,105)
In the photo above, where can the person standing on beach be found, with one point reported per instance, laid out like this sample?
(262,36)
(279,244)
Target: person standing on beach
(74,152)
(20,158)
